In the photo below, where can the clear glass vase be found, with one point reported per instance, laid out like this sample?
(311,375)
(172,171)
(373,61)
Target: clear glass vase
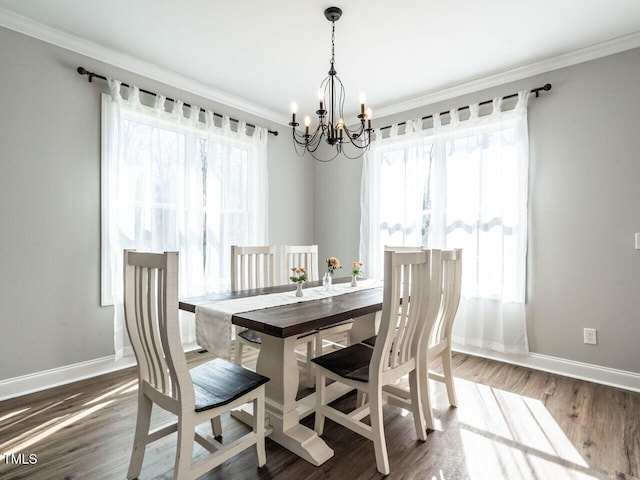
(327,280)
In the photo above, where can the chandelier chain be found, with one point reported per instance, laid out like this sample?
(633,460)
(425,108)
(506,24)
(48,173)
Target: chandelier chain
(333,42)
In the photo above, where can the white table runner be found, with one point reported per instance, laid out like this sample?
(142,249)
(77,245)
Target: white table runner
(213,320)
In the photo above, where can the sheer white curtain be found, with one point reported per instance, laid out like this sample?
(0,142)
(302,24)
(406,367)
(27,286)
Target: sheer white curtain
(172,182)
(476,200)
(481,169)
(394,183)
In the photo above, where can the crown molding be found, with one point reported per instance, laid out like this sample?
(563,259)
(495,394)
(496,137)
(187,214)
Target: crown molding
(575,57)
(138,66)
(61,39)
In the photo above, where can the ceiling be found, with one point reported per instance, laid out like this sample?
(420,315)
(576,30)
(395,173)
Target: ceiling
(269,53)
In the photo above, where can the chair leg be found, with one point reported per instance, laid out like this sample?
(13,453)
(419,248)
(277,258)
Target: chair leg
(416,405)
(311,378)
(318,344)
(320,401)
(258,428)
(447,369)
(184,452)
(143,422)
(377,427)
(216,427)
(423,386)
(238,359)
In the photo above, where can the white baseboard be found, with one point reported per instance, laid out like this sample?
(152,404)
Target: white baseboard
(15,387)
(35,382)
(568,368)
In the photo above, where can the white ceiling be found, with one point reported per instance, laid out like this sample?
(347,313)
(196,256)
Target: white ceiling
(269,53)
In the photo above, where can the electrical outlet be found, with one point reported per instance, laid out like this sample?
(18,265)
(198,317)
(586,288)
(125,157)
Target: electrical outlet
(637,241)
(590,336)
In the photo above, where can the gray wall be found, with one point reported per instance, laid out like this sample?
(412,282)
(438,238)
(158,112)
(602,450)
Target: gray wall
(584,207)
(50,204)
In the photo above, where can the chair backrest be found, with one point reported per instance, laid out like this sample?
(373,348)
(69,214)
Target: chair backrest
(411,300)
(252,267)
(451,286)
(151,318)
(394,248)
(303,256)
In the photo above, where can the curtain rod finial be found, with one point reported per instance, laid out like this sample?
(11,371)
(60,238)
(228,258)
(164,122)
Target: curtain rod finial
(82,71)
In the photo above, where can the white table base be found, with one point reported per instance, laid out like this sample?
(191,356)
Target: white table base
(277,360)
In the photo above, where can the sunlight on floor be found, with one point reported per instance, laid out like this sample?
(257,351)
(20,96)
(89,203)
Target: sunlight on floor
(12,414)
(440,476)
(125,388)
(45,429)
(505,435)
(33,436)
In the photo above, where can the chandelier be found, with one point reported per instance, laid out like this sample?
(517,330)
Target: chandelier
(331,126)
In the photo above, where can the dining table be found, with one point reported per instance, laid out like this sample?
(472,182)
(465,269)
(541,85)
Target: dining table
(279,326)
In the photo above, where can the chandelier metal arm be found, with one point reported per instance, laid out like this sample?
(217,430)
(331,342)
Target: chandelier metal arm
(331,126)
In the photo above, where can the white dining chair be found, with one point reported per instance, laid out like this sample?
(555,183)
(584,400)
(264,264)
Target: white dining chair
(411,298)
(195,395)
(251,267)
(307,256)
(440,339)
(254,267)
(303,256)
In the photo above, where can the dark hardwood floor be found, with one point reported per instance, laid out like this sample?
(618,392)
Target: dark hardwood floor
(511,423)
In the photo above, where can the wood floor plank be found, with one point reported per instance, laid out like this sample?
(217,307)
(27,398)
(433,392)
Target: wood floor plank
(511,423)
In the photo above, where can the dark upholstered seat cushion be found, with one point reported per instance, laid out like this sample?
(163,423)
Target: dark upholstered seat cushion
(251,336)
(220,382)
(371,341)
(351,362)
(254,337)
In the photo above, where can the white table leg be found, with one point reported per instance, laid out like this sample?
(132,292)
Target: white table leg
(277,360)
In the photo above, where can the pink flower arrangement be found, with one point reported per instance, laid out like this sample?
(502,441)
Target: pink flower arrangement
(356,269)
(299,275)
(333,264)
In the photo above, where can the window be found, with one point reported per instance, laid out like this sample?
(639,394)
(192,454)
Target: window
(460,185)
(173,183)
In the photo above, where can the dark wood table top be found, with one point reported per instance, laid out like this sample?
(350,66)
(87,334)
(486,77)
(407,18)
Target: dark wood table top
(297,318)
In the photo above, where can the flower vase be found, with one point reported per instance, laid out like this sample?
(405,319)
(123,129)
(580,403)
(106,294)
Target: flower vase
(327,281)
(299,290)
(354,281)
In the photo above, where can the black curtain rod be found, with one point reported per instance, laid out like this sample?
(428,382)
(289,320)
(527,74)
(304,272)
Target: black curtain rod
(546,88)
(91,75)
